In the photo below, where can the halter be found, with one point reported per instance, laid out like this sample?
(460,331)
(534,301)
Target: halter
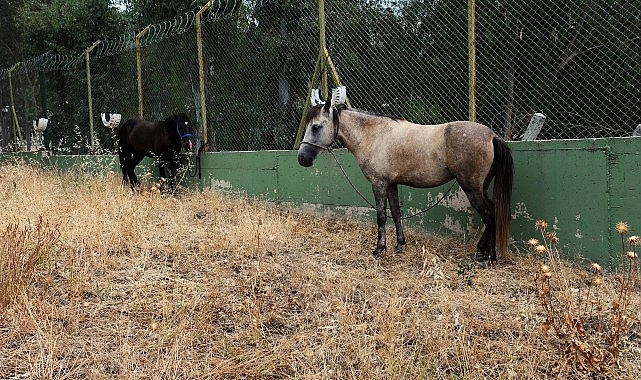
(339,95)
(328,147)
(182,135)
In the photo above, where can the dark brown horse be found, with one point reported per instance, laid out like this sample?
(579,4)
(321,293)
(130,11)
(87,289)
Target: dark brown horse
(162,140)
(392,152)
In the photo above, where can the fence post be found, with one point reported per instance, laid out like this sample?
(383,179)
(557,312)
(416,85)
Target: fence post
(471,50)
(322,63)
(89,98)
(201,70)
(533,129)
(16,126)
(139,68)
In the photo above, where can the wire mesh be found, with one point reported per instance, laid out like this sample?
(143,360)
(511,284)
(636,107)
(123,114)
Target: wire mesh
(578,62)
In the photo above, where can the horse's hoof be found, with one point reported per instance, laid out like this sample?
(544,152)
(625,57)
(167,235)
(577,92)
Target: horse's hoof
(400,248)
(484,261)
(378,252)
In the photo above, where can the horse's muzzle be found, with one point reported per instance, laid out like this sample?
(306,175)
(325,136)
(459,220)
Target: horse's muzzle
(187,146)
(305,159)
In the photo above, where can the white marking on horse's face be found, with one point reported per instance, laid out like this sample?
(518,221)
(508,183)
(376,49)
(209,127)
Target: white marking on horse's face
(321,133)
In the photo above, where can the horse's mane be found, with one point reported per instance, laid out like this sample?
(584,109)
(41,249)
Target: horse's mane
(377,114)
(170,121)
(315,110)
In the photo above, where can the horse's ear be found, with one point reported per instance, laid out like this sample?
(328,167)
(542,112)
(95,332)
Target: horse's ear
(315,98)
(339,95)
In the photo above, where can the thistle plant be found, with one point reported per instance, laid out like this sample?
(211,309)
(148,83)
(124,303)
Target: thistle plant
(587,320)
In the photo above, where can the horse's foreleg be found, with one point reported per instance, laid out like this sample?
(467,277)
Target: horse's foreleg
(122,157)
(392,197)
(133,161)
(380,194)
(162,178)
(172,175)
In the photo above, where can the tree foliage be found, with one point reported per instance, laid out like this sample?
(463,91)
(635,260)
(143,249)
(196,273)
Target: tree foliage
(67,27)
(10,41)
(577,61)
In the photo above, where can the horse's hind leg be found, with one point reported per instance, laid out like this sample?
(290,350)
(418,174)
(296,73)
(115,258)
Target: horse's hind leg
(392,197)
(486,250)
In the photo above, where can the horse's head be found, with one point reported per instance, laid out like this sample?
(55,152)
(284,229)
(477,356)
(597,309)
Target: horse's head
(185,130)
(321,126)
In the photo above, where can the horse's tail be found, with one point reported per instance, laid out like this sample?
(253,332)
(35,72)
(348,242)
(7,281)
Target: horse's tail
(503,176)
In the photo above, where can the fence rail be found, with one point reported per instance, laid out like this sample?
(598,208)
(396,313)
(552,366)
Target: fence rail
(244,71)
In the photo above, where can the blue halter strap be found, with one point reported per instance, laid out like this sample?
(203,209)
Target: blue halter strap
(182,135)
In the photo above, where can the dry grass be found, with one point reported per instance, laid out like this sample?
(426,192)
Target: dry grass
(138,286)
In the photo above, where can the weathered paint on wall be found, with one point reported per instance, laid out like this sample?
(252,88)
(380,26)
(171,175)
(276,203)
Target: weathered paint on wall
(581,187)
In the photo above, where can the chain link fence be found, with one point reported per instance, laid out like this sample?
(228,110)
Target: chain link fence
(577,62)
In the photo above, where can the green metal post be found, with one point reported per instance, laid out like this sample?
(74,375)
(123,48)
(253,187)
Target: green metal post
(16,126)
(46,135)
(89,98)
(323,46)
(201,70)
(471,48)
(139,69)
(323,63)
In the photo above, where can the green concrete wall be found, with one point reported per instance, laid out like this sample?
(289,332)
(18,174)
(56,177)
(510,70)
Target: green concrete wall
(580,187)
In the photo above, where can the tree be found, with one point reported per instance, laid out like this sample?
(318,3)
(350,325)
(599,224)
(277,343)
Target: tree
(146,12)
(67,27)
(10,41)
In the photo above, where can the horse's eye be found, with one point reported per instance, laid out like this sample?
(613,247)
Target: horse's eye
(316,127)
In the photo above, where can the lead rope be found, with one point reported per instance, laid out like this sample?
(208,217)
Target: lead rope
(197,166)
(330,150)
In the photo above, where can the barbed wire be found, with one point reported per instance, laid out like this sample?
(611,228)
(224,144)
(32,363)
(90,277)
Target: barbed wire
(407,59)
(115,46)
(162,31)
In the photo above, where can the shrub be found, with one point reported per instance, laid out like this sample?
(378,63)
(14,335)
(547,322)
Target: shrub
(589,321)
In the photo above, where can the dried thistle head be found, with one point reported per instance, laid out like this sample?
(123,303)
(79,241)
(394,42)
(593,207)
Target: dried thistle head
(622,228)
(540,249)
(533,242)
(552,237)
(541,225)
(634,240)
(631,255)
(596,268)
(545,268)
(596,281)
